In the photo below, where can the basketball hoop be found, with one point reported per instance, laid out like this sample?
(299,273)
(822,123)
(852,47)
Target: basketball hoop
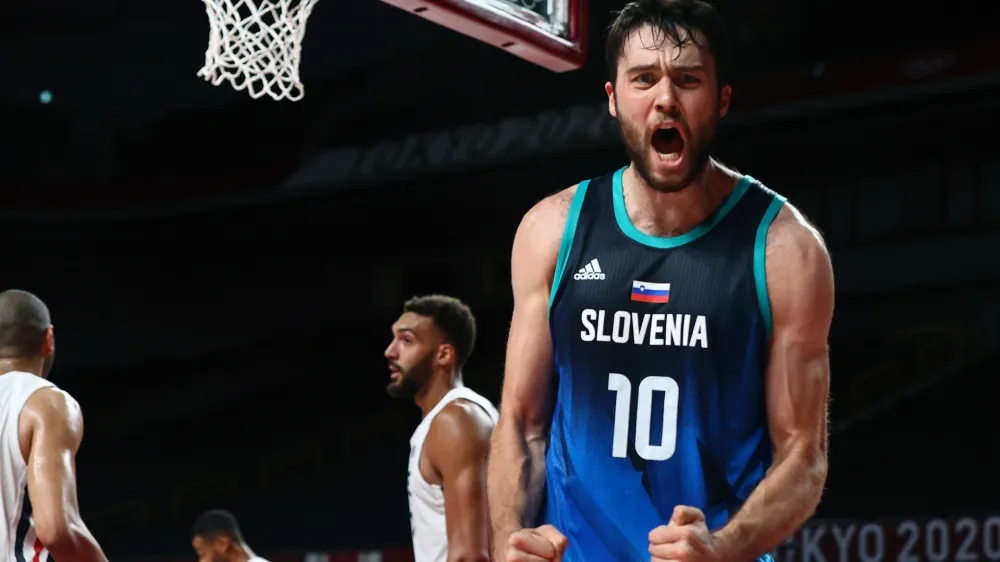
(257,45)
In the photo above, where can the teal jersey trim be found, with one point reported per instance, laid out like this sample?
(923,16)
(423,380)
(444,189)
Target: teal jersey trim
(626,226)
(760,262)
(569,231)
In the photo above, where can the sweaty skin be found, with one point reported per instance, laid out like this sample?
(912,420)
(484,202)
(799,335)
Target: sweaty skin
(454,457)
(50,430)
(517,456)
(800,282)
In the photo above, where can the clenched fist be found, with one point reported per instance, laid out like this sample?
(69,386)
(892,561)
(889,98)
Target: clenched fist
(685,539)
(545,543)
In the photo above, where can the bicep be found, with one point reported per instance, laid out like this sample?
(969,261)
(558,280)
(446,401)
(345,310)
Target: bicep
(800,285)
(58,431)
(457,446)
(465,502)
(528,373)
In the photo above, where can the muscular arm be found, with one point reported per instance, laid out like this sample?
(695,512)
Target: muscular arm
(800,285)
(457,444)
(55,430)
(516,474)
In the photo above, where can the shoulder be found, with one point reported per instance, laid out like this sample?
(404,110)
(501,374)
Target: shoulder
(546,219)
(53,404)
(536,243)
(793,242)
(460,425)
(799,269)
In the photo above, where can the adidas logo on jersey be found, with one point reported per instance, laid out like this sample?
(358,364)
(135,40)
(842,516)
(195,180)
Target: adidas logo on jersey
(591,271)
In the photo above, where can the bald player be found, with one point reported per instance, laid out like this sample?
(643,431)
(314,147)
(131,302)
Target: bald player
(41,428)
(216,537)
(446,476)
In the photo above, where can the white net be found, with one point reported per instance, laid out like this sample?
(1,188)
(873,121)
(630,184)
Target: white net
(257,45)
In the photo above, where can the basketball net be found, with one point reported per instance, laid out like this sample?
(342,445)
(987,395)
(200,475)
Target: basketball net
(257,45)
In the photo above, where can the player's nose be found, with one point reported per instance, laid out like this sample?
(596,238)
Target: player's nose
(666,97)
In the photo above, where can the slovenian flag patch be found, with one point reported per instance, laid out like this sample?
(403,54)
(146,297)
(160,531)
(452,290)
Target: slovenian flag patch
(644,291)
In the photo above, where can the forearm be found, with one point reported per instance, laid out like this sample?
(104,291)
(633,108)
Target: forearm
(784,500)
(515,481)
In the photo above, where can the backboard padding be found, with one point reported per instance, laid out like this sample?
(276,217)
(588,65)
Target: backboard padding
(507,32)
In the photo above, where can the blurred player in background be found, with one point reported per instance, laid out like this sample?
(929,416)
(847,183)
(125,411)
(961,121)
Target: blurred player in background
(446,476)
(667,370)
(216,537)
(41,428)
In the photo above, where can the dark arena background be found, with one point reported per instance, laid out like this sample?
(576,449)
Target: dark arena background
(222,271)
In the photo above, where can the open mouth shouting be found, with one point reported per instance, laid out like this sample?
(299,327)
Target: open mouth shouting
(667,143)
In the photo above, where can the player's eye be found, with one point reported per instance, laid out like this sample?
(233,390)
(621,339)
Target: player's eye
(689,80)
(645,79)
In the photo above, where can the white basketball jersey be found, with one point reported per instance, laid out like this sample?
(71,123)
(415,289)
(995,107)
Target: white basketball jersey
(17,537)
(427,523)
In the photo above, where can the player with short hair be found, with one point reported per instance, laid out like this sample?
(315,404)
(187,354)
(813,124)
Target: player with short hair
(216,537)
(446,476)
(670,402)
(41,428)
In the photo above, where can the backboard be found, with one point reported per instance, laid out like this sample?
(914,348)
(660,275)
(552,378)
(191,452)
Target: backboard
(549,33)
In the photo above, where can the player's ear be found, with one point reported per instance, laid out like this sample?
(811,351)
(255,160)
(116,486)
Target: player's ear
(446,353)
(221,543)
(725,96)
(610,89)
(49,343)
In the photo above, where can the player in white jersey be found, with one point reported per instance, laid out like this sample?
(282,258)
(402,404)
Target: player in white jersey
(216,537)
(446,476)
(40,431)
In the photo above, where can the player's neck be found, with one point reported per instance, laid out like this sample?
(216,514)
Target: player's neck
(21,364)
(242,554)
(659,213)
(435,389)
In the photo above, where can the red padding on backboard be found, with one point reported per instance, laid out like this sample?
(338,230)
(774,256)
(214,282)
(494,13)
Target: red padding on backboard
(507,32)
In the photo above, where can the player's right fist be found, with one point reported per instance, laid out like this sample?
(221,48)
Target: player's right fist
(533,545)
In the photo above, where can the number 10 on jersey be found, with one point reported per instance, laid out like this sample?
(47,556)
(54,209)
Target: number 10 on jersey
(622,387)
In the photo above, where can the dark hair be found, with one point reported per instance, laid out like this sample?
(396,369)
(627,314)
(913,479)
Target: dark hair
(24,322)
(452,317)
(217,523)
(675,20)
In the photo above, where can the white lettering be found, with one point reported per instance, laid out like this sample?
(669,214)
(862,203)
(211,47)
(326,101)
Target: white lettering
(588,317)
(619,331)
(908,528)
(654,337)
(601,336)
(966,527)
(843,539)
(673,329)
(639,329)
(622,388)
(699,336)
(991,538)
(810,544)
(871,543)
(682,330)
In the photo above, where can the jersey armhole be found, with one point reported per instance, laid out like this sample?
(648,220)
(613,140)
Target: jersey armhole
(760,262)
(566,245)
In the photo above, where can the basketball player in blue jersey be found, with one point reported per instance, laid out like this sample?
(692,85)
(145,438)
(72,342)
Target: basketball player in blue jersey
(667,370)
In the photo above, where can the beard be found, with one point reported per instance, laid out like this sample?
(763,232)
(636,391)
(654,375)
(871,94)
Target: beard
(697,151)
(411,381)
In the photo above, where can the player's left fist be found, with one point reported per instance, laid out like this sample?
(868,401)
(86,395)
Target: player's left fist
(685,539)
